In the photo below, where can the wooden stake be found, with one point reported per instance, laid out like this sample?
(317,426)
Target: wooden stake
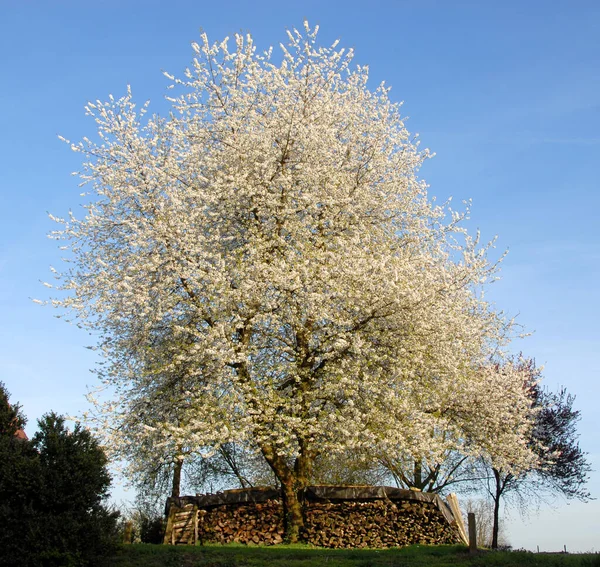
(195,513)
(472,533)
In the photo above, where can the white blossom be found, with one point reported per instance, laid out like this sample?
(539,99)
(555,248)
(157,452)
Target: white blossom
(266,264)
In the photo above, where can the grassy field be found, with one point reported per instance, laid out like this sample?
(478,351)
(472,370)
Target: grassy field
(142,555)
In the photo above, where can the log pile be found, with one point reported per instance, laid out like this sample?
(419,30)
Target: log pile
(377,523)
(352,517)
(246,523)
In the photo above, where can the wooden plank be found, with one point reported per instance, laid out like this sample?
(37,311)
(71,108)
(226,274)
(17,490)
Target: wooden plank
(453,502)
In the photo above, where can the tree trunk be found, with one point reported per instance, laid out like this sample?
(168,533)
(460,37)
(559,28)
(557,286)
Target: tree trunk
(303,464)
(177,478)
(418,474)
(293,517)
(292,483)
(496,498)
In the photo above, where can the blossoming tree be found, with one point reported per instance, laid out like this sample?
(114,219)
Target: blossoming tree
(264,265)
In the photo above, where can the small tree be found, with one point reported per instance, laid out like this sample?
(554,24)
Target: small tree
(561,468)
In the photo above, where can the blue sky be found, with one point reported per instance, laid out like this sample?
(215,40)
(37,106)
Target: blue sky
(507,94)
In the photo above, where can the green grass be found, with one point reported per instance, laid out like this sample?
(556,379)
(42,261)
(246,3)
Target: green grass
(142,555)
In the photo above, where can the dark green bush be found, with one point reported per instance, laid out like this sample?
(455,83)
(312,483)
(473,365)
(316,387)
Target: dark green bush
(152,529)
(52,494)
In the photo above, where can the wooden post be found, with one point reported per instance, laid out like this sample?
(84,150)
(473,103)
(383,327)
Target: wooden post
(472,533)
(195,516)
(127,532)
(169,531)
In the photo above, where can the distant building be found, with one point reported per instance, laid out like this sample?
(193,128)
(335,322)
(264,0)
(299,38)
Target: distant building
(20,434)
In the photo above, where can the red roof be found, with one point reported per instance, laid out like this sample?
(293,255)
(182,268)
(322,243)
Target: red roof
(20,434)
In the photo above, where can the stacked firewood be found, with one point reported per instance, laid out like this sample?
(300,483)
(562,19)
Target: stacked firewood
(346,516)
(377,523)
(261,522)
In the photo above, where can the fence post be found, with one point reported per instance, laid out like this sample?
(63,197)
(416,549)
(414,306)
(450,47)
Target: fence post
(195,513)
(472,533)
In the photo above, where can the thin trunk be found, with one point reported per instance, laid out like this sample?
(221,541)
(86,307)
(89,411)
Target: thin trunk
(432,478)
(232,464)
(496,498)
(177,478)
(418,474)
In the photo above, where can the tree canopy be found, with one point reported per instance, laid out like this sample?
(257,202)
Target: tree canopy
(264,265)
